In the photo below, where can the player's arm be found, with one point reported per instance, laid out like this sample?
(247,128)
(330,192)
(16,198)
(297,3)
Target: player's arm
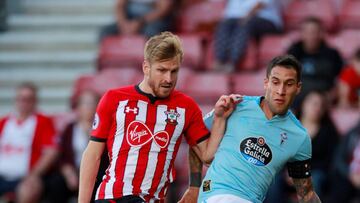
(223,109)
(162,8)
(88,169)
(195,169)
(305,191)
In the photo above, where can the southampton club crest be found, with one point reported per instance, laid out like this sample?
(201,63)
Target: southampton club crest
(172,116)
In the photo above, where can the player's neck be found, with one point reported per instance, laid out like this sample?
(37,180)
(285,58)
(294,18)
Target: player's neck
(266,109)
(144,87)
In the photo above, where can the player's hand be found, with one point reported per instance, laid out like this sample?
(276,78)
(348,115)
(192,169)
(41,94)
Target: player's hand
(226,105)
(190,195)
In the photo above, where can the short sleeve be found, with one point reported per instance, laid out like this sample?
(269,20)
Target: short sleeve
(208,119)
(304,152)
(102,119)
(196,131)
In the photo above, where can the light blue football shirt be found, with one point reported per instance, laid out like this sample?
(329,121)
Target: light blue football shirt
(252,151)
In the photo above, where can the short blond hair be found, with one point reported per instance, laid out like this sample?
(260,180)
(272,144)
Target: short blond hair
(162,47)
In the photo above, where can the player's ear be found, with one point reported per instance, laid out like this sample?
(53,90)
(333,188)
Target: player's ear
(266,83)
(146,67)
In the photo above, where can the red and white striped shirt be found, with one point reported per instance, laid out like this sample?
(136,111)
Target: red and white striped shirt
(143,135)
(22,144)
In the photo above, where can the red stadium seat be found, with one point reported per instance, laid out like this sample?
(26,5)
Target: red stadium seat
(113,78)
(249,83)
(193,50)
(121,51)
(205,88)
(346,42)
(201,17)
(107,79)
(298,10)
(248,62)
(345,119)
(275,45)
(349,14)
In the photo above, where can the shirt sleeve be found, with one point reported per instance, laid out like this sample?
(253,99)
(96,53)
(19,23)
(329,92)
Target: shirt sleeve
(196,131)
(49,136)
(208,119)
(304,152)
(102,119)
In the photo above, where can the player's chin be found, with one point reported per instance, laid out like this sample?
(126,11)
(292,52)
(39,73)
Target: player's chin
(164,93)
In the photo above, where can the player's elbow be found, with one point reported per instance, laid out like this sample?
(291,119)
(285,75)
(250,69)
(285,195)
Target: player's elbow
(207,159)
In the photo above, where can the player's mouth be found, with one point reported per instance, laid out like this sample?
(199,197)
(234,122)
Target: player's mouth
(166,86)
(279,101)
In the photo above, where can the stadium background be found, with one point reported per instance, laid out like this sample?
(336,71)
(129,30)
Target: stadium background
(54,44)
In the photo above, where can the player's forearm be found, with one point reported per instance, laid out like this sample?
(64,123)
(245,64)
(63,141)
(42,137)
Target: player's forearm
(88,171)
(195,166)
(217,133)
(305,191)
(310,198)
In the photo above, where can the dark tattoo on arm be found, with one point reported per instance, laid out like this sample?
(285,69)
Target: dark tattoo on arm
(305,191)
(195,169)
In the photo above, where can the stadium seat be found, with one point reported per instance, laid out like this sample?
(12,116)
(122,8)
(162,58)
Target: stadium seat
(204,87)
(346,42)
(113,77)
(349,14)
(249,83)
(193,50)
(345,119)
(201,17)
(121,51)
(298,10)
(107,79)
(275,45)
(248,62)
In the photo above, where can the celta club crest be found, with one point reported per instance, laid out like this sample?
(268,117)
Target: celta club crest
(283,138)
(171,116)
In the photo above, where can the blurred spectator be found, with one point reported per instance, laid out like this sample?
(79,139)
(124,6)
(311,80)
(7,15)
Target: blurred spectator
(146,17)
(314,115)
(27,148)
(346,180)
(3,15)
(349,83)
(74,140)
(242,20)
(321,63)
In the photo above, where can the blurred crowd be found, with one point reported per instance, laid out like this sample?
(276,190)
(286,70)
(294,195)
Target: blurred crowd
(40,162)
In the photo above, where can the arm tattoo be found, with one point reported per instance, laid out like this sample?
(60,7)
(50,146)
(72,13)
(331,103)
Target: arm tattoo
(195,169)
(305,191)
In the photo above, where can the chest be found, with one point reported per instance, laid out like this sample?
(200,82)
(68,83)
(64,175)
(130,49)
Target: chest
(260,142)
(141,123)
(17,138)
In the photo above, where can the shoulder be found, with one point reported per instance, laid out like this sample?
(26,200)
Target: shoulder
(296,125)
(248,101)
(182,98)
(43,118)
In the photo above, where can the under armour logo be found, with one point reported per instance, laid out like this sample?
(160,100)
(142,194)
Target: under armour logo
(134,110)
